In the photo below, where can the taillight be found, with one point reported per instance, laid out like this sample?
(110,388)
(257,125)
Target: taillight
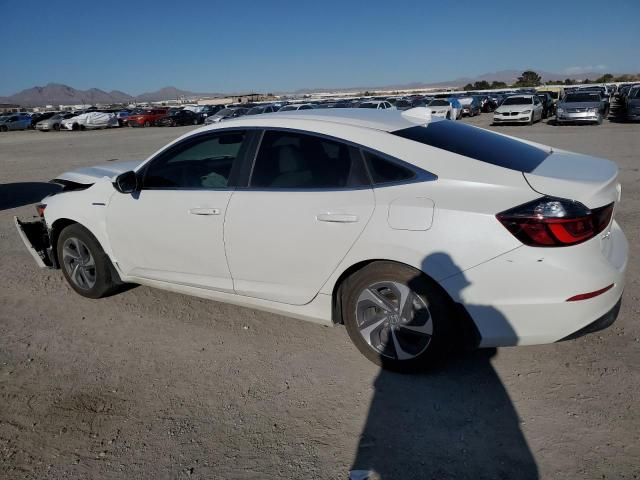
(555,222)
(40,209)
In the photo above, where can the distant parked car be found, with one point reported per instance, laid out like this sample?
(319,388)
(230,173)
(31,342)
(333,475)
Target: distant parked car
(257,110)
(296,106)
(38,117)
(208,111)
(90,121)
(14,122)
(53,123)
(178,117)
(146,118)
(547,104)
(123,117)
(519,109)
(470,106)
(581,107)
(403,104)
(380,105)
(442,108)
(226,114)
(633,103)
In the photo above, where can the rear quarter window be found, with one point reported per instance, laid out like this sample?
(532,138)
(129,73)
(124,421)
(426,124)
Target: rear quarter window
(476,143)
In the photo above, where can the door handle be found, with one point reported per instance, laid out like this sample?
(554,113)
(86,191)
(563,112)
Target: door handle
(204,211)
(337,217)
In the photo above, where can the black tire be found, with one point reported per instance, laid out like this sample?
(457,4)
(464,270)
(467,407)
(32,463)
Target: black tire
(438,310)
(147,124)
(56,127)
(105,281)
(600,120)
(532,119)
(4,128)
(448,115)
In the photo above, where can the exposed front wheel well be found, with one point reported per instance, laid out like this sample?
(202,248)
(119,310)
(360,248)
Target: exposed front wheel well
(56,228)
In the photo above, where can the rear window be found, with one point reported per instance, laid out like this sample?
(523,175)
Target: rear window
(478,144)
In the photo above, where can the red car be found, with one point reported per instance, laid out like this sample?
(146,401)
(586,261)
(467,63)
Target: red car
(146,118)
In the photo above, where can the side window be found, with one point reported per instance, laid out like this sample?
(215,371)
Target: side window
(295,160)
(386,171)
(205,163)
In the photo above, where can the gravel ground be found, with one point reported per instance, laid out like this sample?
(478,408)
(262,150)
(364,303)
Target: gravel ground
(149,384)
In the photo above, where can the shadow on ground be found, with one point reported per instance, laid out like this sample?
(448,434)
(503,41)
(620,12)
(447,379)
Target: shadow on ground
(13,195)
(455,423)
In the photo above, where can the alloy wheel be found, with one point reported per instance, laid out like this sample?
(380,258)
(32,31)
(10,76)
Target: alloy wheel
(79,263)
(394,320)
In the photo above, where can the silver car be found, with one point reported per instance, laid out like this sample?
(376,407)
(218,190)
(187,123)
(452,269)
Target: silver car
(581,107)
(52,123)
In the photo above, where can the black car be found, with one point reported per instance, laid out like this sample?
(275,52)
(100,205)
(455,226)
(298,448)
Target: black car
(547,104)
(403,104)
(178,117)
(258,109)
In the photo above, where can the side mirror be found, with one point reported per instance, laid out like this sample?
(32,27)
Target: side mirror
(126,182)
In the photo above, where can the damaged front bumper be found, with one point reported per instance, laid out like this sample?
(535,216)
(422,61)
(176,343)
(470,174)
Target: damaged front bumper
(35,235)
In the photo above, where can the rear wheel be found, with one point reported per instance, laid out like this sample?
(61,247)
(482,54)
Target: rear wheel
(3,128)
(147,124)
(84,264)
(396,316)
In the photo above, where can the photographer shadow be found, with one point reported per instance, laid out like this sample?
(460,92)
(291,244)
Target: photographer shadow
(456,422)
(14,195)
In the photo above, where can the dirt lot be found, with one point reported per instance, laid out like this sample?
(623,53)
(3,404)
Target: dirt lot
(148,384)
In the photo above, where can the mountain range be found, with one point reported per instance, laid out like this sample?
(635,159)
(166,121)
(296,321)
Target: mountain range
(57,94)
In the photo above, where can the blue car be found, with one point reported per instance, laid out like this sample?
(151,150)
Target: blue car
(14,122)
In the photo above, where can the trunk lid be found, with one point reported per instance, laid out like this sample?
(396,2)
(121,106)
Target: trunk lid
(590,180)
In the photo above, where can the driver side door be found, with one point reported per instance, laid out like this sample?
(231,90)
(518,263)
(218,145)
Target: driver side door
(171,230)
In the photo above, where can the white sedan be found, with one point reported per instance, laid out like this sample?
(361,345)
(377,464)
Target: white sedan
(414,236)
(519,109)
(441,108)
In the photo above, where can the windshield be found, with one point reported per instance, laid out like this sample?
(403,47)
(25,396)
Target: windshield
(518,101)
(223,112)
(634,93)
(255,110)
(582,97)
(438,103)
(288,108)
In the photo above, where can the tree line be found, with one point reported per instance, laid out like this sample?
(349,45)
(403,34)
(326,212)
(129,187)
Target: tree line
(530,78)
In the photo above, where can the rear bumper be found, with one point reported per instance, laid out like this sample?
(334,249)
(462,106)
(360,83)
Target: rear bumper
(35,236)
(520,298)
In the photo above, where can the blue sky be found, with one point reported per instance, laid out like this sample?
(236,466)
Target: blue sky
(210,46)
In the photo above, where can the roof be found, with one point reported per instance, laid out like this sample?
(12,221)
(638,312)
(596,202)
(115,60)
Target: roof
(385,120)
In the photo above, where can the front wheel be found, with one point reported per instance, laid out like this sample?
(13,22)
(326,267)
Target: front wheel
(147,124)
(396,316)
(84,264)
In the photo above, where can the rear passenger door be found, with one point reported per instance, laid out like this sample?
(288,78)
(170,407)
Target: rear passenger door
(307,201)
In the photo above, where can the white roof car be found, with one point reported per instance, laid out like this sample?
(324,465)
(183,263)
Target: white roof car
(296,106)
(411,234)
(90,120)
(375,104)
